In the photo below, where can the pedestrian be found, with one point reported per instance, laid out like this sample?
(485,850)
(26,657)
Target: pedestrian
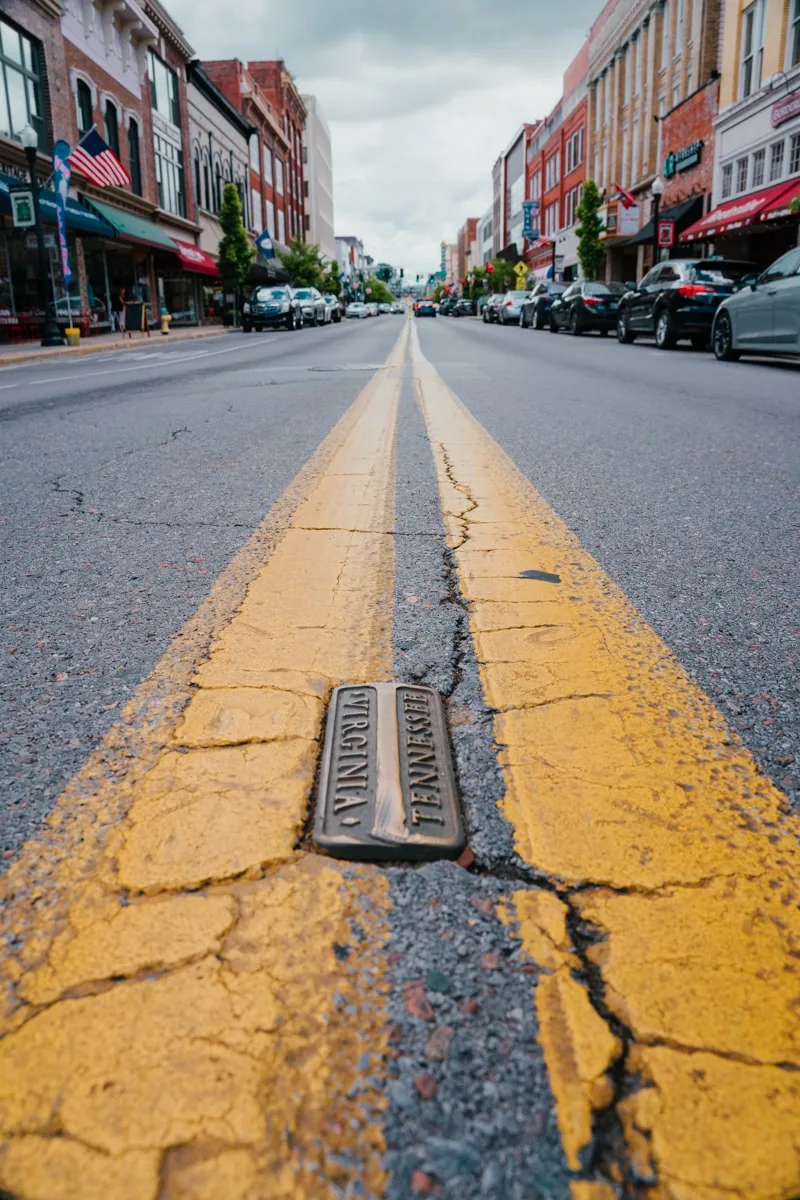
(118,311)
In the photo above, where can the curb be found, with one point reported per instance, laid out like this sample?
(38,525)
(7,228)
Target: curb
(8,360)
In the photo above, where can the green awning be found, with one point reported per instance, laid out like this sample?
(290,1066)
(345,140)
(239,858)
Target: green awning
(131,228)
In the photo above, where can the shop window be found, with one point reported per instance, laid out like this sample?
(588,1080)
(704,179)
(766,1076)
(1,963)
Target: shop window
(163,89)
(134,157)
(83,95)
(741,174)
(112,126)
(793,40)
(727,180)
(775,161)
(759,159)
(752,49)
(794,154)
(20,84)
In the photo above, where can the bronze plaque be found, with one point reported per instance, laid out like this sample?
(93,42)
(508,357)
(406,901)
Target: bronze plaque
(387,788)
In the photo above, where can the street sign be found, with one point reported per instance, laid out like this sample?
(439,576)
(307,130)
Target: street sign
(22,209)
(521,272)
(666,233)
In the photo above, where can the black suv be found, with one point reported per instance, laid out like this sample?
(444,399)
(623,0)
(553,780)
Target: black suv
(271,306)
(586,305)
(678,299)
(446,305)
(536,310)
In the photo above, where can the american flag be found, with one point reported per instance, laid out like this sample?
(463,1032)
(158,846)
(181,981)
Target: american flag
(98,162)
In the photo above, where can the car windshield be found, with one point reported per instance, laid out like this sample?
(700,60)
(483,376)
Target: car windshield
(270,294)
(555,289)
(518,295)
(303,294)
(603,289)
(721,272)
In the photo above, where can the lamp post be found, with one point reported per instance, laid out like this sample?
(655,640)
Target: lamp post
(51,334)
(657,191)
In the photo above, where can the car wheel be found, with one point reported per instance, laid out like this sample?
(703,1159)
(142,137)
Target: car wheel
(574,324)
(538,320)
(665,332)
(246,327)
(603,332)
(259,328)
(699,341)
(485,318)
(723,339)
(624,332)
(553,324)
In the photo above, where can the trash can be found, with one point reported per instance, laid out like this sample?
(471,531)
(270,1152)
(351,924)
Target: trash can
(73,336)
(165,320)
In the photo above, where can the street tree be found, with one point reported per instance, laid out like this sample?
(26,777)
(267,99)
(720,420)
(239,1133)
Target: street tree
(380,293)
(591,251)
(236,254)
(331,283)
(302,263)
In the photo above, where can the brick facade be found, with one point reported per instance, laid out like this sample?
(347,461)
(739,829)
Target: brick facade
(692,121)
(41,22)
(466,236)
(285,101)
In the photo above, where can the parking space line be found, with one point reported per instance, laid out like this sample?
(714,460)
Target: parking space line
(667,921)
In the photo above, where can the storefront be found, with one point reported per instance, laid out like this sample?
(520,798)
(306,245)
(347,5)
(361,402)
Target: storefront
(758,228)
(682,215)
(183,278)
(621,227)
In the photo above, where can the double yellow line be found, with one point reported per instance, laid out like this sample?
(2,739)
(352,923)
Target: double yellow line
(177,1019)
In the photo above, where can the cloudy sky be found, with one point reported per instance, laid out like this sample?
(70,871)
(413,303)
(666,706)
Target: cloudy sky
(420,95)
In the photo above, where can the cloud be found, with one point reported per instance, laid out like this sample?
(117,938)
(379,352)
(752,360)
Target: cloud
(421,97)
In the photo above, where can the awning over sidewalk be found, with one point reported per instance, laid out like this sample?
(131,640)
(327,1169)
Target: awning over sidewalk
(681,214)
(130,228)
(194,259)
(780,206)
(737,214)
(79,218)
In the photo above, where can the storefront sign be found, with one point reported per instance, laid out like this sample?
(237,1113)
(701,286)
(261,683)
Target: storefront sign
(22,210)
(784,110)
(666,233)
(628,221)
(682,160)
(530,220)
(15,172)
(49,241)
(61,176)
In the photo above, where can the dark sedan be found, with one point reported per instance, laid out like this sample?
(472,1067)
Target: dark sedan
(426,308)
(679,299)
(447,304)
(536,310)
(464,308)
(586,306)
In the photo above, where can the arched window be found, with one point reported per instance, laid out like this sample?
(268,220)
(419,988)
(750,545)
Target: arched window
(206,201)
(198,193)
(133,154)
(84,98)
(112,126)
(217,187)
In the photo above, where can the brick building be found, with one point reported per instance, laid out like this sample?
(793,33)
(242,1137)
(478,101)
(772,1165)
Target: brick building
(467,236)
(286,102)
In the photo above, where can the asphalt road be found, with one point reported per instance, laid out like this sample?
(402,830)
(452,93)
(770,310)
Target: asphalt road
(681,475)
(129,480)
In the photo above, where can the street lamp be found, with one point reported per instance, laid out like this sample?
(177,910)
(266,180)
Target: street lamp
(657,191)
(51,334)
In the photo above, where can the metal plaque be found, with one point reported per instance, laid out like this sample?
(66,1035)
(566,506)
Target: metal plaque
(387,788)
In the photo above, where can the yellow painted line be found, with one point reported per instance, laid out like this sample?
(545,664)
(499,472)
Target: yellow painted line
(190,1013)
(621,775)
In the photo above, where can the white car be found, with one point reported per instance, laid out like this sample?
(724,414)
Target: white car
(314,309)
(357,310)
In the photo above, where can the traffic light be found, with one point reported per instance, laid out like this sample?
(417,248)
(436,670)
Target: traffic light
(402,272)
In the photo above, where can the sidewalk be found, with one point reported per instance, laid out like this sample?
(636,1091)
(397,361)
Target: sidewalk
(31,352)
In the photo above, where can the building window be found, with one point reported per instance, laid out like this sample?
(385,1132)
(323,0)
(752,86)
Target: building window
(752,49)
(794,154)
(727,180)
(679,26)
(775,161)
(112,127)
(627,73)
(83,96)
(134,158)
(20,85)
(163,89)
(637,63)
(607,81)
(217,187)
(758,167)
(676,89)
(254,154)
(198,193)
(793,40)
(635,150)
(741,175)
(536,186)
(256,197)
(206,185)
(665,39)
(625,149)
(271,218)
(281,227)
(268,165)
(279,176)
(169,176)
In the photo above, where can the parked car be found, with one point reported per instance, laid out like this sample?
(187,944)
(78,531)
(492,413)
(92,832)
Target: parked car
(510,307)
(678,299)
(536,309)
(372,309)
(356,310)
(464,308)
(384,308)
(584,306)
(314,309)
(490,308)
(763,317)
(398,309)
(426,308)
(271,306)
(334,307)
(447,305)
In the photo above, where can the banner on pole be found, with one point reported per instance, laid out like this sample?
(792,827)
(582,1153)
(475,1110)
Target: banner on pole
(61,176)
(530,220)
(264,243)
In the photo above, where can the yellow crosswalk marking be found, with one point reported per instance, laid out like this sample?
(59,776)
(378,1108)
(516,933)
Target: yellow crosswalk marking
(624,782)
(179,1023)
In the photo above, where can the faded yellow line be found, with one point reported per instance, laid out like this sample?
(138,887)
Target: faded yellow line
(621,774)
(179,1023)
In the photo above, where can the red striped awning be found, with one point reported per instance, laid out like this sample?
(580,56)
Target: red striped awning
(739,213)
(194,259)
(780,206)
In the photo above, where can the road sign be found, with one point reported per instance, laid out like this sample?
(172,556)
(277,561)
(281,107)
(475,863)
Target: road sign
(521,272)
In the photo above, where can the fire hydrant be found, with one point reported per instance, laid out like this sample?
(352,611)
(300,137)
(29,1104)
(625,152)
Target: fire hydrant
(165,320)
